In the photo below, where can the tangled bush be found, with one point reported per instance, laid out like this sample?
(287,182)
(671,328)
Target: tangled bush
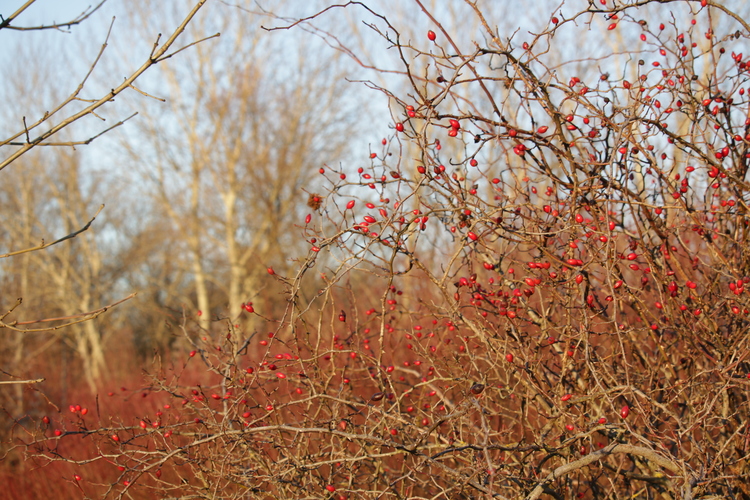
(536,286)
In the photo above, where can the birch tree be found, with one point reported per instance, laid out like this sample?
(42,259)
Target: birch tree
(250,126)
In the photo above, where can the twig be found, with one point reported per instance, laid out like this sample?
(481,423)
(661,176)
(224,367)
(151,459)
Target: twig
(83,317)
(78,20)
(90,139)
(154,59)
(31,381)
(46,245)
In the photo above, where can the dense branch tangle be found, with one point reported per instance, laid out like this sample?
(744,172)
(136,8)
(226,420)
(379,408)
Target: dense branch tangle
(536,287)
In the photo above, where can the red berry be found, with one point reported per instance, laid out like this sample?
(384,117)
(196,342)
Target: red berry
(431,35)
(625,411)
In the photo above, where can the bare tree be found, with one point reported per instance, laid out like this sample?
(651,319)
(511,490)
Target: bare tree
(76,273)
(253,125)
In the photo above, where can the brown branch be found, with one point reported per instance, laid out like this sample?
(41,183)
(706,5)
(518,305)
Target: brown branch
(614,448)
(157,56)
(78,20)
(46,245)
(30,381)
(90,139)
(83,317)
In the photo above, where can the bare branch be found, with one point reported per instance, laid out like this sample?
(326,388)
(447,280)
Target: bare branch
(64,238)
(5,23)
